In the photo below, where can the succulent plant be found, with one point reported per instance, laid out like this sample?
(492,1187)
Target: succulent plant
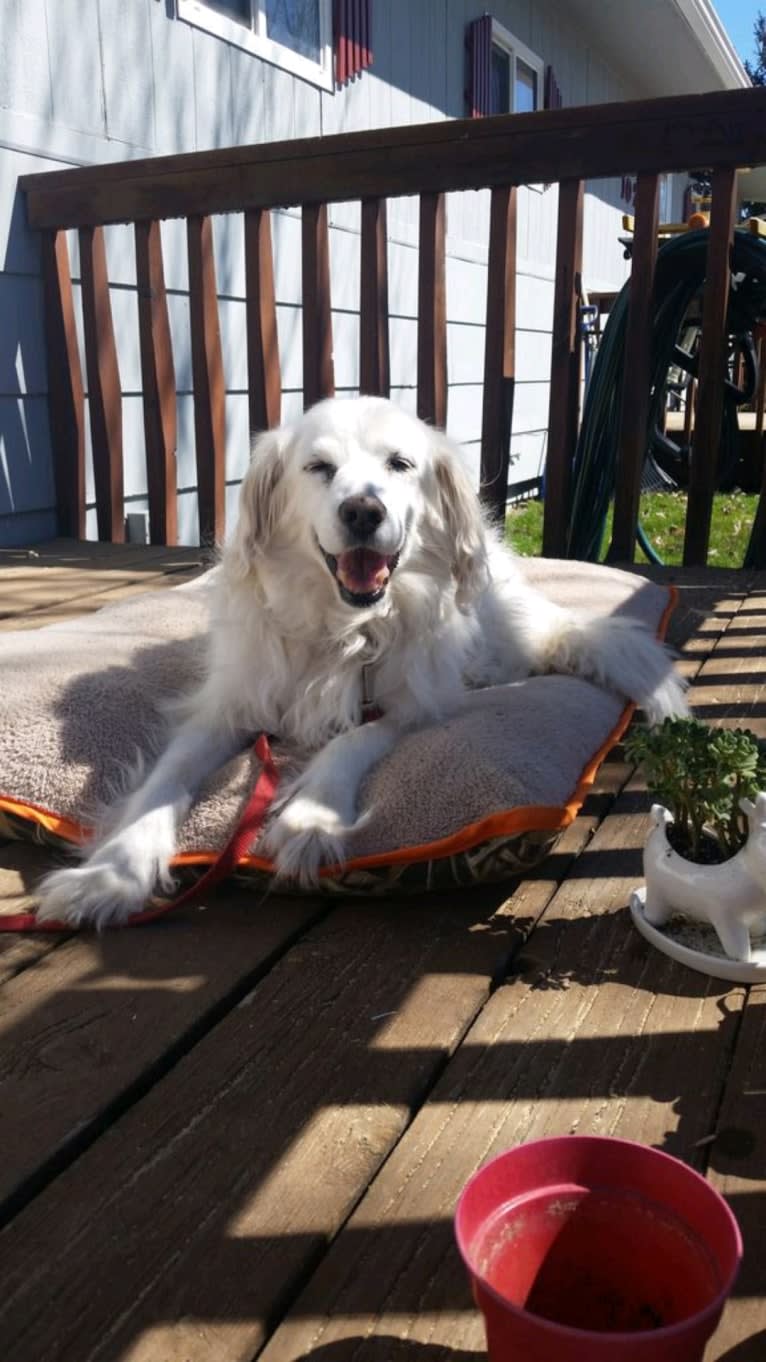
(700,774)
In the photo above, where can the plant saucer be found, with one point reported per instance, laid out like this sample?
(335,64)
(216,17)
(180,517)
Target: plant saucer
(696,944)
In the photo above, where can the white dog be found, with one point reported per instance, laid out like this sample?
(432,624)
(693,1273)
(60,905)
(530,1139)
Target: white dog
(360,564)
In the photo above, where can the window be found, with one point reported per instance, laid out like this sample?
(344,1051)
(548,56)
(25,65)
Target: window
(500,87)
(517,75)
(665,199)
(294,34)
(502,75)
(525,91)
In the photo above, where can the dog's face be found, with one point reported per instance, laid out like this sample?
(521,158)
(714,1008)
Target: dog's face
(357,472)
(359,485)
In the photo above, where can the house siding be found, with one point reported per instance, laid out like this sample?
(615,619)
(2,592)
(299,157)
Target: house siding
(83,81)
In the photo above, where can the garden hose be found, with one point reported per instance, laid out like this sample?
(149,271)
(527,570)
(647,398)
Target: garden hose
(679,275)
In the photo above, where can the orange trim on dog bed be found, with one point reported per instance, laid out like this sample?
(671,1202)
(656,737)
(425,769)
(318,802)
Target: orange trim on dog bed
(511,822)
(56,823)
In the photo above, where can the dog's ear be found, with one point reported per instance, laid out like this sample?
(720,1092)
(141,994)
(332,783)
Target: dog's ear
(261,499)
(461,515)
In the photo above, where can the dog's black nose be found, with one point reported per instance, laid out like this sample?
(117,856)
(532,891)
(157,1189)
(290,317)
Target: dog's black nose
(362,515)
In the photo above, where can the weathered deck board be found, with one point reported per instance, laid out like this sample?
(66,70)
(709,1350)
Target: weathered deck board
(592,1033)
(733,681)
(736,675)
(737,1167)
(96,1018)
(436,970)
(732,684)
(99,556)
(21,865)
(226,1179)
(203,1169)
(40,579)
(70,608)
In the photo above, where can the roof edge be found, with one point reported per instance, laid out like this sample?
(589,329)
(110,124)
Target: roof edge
(710,34)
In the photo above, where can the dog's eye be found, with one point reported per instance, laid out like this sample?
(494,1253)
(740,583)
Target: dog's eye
(398,464)
(322,467)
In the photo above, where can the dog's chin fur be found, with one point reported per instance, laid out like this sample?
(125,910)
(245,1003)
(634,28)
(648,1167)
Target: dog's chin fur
(310,644)
(286,652)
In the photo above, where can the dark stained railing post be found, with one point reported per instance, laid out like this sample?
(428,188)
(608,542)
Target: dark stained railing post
(757,555)
(318,369)
(712,370)
(374,367)
(636,372)
(432,312)
(564,403)
(264,379)
(691,403)
(159,385)
(208,380)
(499,352)
(760,396)
(66,400)
(104,392)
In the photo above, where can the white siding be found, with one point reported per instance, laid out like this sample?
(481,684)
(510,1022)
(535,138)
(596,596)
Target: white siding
(138,82)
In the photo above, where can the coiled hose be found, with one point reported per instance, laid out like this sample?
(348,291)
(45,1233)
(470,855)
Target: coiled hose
(679,274)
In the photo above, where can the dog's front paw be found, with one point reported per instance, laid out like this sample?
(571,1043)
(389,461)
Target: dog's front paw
(304,836)
(98,894)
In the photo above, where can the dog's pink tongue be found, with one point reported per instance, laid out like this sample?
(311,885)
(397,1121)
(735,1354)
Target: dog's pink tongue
(362,571)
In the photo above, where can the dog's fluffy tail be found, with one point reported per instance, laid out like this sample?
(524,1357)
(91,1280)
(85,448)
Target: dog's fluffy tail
(619,653)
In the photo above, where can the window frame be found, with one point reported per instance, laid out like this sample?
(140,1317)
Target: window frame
(517,51)
(256,40)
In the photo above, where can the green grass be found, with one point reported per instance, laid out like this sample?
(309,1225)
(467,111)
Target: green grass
(662,515)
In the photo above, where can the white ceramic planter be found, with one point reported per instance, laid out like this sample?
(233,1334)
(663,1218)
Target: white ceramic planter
(731,896)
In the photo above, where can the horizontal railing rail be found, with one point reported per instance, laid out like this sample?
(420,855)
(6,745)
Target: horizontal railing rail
(722,131)
(592,142)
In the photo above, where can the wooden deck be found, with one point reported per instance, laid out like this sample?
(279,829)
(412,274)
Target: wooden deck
(241,1131)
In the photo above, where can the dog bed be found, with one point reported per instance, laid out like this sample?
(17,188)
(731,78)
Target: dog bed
(480,797)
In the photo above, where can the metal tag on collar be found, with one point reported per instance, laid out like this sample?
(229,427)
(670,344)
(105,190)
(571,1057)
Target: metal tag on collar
(369,709)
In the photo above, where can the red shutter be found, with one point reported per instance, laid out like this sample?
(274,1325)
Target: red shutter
(352,37)
(478,42)
(553,98)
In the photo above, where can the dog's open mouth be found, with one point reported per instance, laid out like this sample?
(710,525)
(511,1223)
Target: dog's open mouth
(362,574)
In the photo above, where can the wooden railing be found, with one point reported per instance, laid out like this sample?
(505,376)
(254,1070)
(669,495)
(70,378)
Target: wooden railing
(722,131)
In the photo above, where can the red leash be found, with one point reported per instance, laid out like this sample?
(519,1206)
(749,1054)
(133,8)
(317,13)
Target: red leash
(250,823)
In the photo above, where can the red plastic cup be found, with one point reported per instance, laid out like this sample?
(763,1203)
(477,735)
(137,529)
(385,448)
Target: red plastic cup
(582,1249)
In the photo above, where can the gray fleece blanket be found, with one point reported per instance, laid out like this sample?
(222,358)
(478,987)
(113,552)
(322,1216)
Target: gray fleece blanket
(78,699)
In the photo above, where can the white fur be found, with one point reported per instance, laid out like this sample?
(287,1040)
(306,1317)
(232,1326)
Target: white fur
(286,651)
